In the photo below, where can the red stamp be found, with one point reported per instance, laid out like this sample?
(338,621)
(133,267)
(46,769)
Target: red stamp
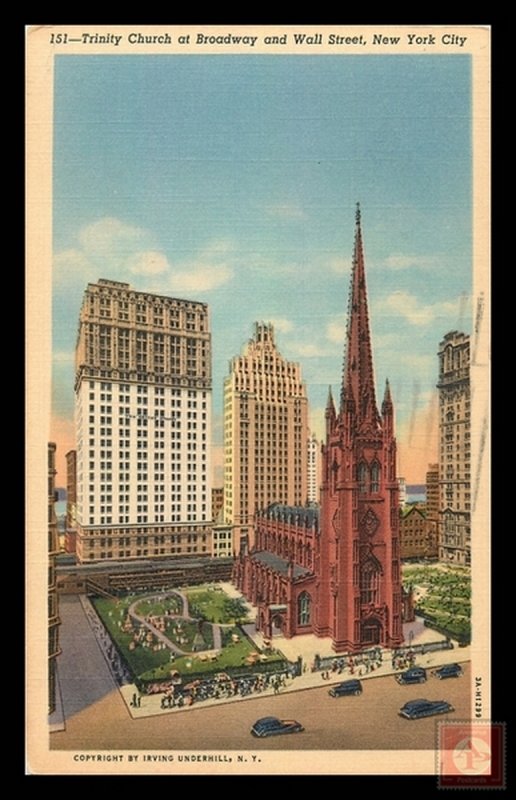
(471,755)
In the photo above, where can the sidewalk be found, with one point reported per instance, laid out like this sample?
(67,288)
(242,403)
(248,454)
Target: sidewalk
(301,646)
(151,705)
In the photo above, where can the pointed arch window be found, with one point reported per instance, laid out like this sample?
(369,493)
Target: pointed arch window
(369,583)
(375,477)
(304,608)
(362,477)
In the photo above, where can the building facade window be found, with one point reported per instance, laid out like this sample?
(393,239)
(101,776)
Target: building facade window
(304,609)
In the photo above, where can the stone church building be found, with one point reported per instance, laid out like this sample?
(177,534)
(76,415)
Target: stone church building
(335,571)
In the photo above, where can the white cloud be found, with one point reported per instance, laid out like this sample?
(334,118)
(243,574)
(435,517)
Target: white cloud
(282,325)
(110,248)
(151,262)
(286,211)
(398,261)
(307,350)
(336,330)
(342,266)
(200,278)
(208,272)
(388,341)
(112,238)
(63,357)
(418,362)
(410,308)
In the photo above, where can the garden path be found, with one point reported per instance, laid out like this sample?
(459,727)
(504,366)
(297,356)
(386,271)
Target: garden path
(217,636)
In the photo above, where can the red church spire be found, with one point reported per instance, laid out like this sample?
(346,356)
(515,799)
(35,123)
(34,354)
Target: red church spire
(358,392)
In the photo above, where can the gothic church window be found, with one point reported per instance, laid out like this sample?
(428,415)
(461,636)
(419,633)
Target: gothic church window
(375,477)
(304,604)
(362,477)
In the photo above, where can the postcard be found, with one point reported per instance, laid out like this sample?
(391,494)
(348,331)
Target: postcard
(258,401)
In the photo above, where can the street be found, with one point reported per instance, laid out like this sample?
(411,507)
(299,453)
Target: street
(369,721)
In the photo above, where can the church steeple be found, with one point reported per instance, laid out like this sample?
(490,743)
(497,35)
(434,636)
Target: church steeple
(330,413)
(358,392)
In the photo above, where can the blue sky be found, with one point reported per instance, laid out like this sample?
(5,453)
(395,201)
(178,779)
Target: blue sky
(233,180)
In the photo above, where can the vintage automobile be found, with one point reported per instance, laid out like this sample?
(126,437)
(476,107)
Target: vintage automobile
(448,671)
(412,675)
(345,688)
(416,709)
(272,726)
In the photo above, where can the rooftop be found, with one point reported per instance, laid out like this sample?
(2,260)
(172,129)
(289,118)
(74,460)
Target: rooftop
(308,516)
(278,564)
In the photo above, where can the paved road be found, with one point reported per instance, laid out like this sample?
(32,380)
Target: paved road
(84,675)
(370,721)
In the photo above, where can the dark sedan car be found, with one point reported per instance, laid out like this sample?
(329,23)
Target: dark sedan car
(448,671)
(345,688)
(272,726)
(415,709)
(412,675)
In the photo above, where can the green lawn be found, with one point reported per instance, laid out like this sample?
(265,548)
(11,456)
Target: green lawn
(215,606)
(195,640)
(140,659)
(160,607)
(234,654)
(443,595)
(149,664)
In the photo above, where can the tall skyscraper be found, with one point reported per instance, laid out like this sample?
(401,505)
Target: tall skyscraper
(454,449)
(432,492)
(358,597)
(314,468)
(71,502)
(336,571)
(143,425)
(53,611)
(265,433)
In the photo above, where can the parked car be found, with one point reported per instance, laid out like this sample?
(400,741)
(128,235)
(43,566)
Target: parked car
(415,709)
(448,671)
(412,675)
(346,687)
(272,726)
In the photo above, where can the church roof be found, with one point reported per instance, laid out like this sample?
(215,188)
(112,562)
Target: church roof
(278,564)
(307,516)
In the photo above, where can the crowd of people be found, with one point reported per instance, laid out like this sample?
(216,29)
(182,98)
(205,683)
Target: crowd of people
(221,686)
(403,660)
(357,665)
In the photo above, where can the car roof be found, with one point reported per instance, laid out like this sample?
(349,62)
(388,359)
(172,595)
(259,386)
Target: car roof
(352,682)
(266,720)
(450,666)
(413,703)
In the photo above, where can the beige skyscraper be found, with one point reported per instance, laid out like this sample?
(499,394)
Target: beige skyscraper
(143,425)
(313,454)
(265,433)
(454,449)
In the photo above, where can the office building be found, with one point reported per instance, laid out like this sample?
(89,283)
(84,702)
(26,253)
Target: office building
(143,425)
(265,434)
(454,449)
(70,538)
